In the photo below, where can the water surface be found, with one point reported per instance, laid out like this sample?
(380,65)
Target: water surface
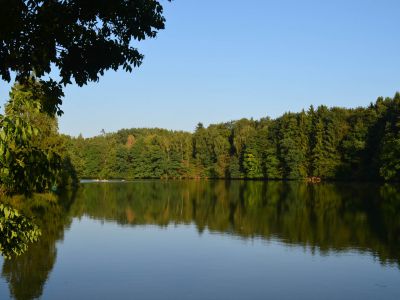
(213,240)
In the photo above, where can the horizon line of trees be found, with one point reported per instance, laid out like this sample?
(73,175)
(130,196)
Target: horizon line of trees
(330,143)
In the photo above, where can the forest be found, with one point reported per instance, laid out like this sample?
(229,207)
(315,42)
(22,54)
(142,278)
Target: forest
(360,144)
(342,144)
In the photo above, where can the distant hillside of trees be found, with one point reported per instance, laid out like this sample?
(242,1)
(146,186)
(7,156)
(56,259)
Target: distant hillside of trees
(330,143)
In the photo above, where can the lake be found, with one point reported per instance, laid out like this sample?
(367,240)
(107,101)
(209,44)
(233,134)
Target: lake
(213,240)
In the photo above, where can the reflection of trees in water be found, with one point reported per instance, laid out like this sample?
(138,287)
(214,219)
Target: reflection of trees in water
(27,273)
(325,217)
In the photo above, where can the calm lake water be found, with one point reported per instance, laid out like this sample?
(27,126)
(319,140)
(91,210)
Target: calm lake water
(213,240)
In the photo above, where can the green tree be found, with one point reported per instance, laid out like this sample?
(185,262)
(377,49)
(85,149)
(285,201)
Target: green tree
(292,148)
(33,154)
(390,151)
(79,39)
(251,164)
(24,166)
(324,150)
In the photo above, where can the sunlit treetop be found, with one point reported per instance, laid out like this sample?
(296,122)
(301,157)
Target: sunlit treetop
(81,38)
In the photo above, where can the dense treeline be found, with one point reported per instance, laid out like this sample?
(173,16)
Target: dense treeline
(330,143)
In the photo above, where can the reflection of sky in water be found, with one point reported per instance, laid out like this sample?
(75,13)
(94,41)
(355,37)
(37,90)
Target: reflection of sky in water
(103,260)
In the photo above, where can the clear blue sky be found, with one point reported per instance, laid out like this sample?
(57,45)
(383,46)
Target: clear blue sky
(222,60)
